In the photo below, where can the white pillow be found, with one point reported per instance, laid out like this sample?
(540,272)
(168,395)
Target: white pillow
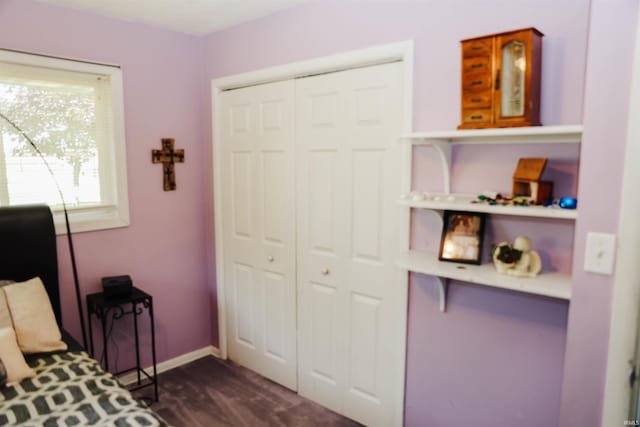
(5,314)
(33,319)
(12,358)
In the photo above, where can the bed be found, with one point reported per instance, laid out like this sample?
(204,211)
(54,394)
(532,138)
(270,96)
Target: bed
(69,387)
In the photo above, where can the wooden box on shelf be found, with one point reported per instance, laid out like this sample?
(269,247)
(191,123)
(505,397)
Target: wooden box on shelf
(501,80)
(527,183)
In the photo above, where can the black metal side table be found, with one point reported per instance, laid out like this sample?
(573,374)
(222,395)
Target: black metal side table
(134,304)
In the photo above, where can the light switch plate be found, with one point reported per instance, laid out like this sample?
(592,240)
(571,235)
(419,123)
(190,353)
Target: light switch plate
(600,253)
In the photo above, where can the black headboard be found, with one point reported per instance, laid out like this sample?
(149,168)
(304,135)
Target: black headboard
(28,249)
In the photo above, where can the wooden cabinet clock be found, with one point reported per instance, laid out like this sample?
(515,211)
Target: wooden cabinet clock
(501,80)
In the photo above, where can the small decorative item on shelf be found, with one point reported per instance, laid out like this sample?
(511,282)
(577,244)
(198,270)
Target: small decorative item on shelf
(493,199)
(527,182)
(568,203)
(516,260)
(563,203)
(418,196)
(462,236)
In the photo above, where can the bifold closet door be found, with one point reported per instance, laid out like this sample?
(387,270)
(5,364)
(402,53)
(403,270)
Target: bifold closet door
(257,138)
(349,306)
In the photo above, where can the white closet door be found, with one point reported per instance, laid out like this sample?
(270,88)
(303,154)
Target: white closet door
(259,228)
(349,312)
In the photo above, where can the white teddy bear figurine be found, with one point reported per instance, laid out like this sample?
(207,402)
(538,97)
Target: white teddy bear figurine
(518,259)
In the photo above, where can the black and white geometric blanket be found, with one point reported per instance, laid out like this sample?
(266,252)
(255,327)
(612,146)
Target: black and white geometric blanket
(71,389)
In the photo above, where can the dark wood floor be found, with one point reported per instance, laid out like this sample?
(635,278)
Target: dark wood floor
(211,392)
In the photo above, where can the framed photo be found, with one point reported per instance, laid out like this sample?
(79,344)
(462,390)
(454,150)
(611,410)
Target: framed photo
(462,237)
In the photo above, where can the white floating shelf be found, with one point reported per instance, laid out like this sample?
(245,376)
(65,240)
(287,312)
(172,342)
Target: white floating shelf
(555,285)
(516,135)
(462,202)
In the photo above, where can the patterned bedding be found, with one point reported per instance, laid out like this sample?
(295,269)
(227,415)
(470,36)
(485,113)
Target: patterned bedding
(71,389)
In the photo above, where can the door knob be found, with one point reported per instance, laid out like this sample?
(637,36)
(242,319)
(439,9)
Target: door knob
(270,258)
(324,271)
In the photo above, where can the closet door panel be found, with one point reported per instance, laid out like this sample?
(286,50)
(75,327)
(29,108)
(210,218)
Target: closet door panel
(365,312)
(368,274)
(241,272)
(241,202)
(323,333)
(276,197)
(244,295)
(367,195)
(374,124)
(347,187)
(275,285)
(321,265)
(322,193)
(259,228)
(320,200)
(273,166)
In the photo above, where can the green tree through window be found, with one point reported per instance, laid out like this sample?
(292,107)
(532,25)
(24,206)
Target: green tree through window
(61,119)
(73,111)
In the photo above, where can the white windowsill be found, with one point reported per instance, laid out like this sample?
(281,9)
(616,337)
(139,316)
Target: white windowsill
(101,218)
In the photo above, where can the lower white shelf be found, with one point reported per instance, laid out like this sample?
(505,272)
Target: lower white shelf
(553,284)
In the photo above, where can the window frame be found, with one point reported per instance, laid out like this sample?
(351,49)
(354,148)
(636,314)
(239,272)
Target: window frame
(106,216)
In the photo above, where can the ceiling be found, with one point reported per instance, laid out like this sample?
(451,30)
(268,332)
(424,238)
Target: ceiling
(197,17)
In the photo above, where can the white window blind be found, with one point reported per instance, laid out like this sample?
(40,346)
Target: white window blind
(72,111)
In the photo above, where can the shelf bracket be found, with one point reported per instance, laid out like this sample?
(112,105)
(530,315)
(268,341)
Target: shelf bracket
(444,288)
(443,148)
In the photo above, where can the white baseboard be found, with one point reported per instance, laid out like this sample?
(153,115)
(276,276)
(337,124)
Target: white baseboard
(167,365)
(215,352)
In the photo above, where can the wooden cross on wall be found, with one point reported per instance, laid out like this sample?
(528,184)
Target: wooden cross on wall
(168,157)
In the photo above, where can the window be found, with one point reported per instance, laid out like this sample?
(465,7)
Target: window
(73,113)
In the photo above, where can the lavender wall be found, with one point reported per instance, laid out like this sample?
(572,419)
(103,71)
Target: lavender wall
(495,357)
(164,247)
(606,107)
